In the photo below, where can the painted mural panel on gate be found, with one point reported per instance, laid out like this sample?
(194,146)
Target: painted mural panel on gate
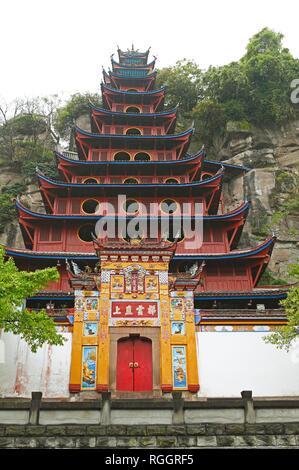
(178,328)
(179,369)
(90,328)
(117,283)
(89,358)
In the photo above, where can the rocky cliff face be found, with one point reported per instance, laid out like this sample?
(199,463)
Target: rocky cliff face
(272,157)
(12,236)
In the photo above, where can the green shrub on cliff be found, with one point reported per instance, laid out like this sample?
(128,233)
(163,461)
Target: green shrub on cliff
(255,90)
(66,115)
(7,204)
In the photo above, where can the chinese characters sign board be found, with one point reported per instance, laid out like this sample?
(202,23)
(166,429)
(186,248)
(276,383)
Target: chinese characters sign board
(134,312)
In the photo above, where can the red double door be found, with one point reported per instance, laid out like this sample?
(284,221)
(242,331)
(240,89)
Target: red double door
(134,365)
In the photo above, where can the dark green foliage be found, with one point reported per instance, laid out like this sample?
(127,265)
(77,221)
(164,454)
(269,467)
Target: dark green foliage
(285,336)
(184,84)
(28,125)
(268,279)
(26,139)
(31,154)
(7,205)
(14,189)
(7,211)
(255,90)
(269,69)
(15,285)
(210,120)
(65,116)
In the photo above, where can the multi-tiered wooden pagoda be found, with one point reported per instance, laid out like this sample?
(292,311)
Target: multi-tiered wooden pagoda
(135,302)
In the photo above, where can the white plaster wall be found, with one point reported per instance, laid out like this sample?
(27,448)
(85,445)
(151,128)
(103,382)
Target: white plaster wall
(69,417)
(231,362)
(228,363)
(47,370)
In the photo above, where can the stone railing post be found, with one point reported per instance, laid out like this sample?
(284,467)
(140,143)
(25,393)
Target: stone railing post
(178,408)
(106,408)
(36,398)
(249,411)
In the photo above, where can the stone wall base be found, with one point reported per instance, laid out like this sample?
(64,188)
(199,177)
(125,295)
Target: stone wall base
(203,435)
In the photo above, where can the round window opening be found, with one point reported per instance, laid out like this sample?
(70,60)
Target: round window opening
(130,181)
(131,206)
(133,109)
(133,131)
(176,237)
(122,156)
(206,176)
(86,232)
(90,206)
(142,157)
(171,181)
(132,89)
(168,206)
(90,181)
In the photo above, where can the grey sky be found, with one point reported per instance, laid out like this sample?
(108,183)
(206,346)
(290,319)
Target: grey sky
(58,46)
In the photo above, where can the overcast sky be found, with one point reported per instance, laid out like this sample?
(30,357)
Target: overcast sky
(59,46)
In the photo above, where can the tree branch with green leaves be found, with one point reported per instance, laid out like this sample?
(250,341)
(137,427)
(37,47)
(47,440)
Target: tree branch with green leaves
(284,337)
(36,328)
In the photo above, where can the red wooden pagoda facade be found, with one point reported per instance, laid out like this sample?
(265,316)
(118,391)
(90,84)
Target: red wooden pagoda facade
(133,150)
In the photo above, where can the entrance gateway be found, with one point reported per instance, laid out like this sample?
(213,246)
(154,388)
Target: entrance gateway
(134,331)
(134,370)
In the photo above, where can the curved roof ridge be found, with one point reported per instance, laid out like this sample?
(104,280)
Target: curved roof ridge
(238,210)
(108,111)
(133,53)
(42,215)
(132,137)
(228,165)
(133,66)
(177,185)
(268,243)
(200,153)
(125,92)
(128,77)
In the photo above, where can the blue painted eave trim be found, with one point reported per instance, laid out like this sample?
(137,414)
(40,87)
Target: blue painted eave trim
(15,254)
(132,137)
(133,66)
(118,75)
(229,165)
(140,115)
(203,183)
(175,258)
(124,92)
(131,162)
(226,256)
(41,297)
(240,297)
(208,218)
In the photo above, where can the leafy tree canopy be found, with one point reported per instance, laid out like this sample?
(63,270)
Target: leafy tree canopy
(183,82)
(284,337)
(34,327)
(76,106)
(7,206)
(254,90)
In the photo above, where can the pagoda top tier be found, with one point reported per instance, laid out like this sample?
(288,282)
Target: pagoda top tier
(117,65)
(131,79)
(133,56)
